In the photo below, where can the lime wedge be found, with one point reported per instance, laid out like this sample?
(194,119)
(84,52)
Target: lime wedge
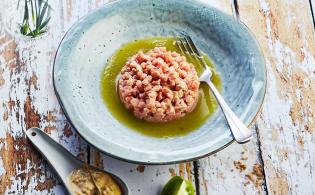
(178,186)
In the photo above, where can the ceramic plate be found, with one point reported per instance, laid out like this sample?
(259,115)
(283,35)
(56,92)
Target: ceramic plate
(82,57)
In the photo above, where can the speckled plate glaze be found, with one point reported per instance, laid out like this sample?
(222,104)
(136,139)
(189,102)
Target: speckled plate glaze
(84,50)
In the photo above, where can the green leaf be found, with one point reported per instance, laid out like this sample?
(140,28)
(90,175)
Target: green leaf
(44,24)
(31,33)
(42,32)
(26,16)
(18,4)
(39,5)
(33,13)
(43,12)
(24,28)
(40,17)
(36,13)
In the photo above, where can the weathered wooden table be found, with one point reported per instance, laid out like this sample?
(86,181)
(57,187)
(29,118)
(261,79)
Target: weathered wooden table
(280,160)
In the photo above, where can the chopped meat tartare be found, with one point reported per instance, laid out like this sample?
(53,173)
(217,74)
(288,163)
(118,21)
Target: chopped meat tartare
(159,86)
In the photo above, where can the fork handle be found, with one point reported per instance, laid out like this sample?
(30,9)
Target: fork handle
(240,132)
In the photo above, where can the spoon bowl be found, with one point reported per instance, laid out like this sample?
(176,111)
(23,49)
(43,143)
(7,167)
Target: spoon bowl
(62,161)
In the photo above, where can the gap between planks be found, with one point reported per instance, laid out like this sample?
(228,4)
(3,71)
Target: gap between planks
(312,7)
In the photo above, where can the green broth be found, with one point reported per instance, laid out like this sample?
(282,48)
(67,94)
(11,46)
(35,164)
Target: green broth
(192,121)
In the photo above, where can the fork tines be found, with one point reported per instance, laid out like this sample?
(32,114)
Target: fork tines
(188,47)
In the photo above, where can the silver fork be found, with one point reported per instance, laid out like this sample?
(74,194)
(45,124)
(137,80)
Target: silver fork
(240,132)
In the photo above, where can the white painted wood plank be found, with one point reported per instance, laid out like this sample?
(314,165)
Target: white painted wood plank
(230,171)
(235,170)
(286,126)
(27,99)
(312,6)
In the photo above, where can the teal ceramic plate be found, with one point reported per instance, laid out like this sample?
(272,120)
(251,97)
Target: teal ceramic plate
(84,50)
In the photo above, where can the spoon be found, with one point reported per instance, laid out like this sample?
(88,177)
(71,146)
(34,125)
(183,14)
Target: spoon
(61,160)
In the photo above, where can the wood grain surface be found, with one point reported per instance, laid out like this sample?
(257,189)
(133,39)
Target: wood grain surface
(286,126)
(279,160)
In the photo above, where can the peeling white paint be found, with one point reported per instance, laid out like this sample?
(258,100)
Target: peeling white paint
(2,170)
(284,150)
(308,64)
(264,6)
(298,95)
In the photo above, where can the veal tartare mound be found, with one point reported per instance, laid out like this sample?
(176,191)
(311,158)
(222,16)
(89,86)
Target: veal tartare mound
(158,86)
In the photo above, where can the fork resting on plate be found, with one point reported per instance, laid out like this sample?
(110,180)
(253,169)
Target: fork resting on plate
(240,132)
